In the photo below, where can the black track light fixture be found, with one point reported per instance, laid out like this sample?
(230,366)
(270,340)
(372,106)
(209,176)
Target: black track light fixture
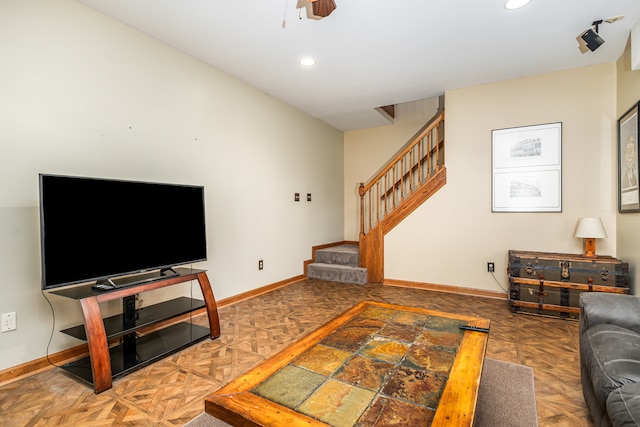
(590,40)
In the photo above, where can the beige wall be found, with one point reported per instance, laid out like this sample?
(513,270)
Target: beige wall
(450,239)
(85,95)
(628,233)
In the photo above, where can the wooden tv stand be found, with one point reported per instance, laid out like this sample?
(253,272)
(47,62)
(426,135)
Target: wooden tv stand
(106,363)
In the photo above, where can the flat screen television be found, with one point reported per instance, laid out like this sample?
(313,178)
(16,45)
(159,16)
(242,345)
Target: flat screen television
(96,229)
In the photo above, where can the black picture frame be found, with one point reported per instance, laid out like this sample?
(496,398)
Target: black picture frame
(628,188)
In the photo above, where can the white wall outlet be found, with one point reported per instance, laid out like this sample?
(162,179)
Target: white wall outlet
(8,322)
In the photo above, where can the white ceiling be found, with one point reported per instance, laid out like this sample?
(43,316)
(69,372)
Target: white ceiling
(378,52)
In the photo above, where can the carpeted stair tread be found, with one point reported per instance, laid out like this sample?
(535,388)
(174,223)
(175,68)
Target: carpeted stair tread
(343,254)
(337,273)
(346,248)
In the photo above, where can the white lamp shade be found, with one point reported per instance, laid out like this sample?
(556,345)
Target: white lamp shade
(590,228)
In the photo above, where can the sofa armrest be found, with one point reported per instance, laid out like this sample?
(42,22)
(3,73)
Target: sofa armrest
(623,405)
(608,308)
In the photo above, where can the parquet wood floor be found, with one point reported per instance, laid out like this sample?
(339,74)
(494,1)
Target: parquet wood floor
(172,391)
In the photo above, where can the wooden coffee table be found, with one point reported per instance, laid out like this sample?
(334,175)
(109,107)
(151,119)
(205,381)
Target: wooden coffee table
(375,365)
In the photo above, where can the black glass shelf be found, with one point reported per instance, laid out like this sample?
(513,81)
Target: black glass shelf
(115,325)
(137,353)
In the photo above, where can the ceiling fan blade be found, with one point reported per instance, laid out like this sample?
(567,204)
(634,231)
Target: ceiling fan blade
(323,8)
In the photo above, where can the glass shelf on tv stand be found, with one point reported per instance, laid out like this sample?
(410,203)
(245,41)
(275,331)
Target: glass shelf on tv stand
(143,317)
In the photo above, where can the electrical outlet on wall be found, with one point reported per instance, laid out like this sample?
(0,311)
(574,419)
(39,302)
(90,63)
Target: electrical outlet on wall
(491,267)
(260,264)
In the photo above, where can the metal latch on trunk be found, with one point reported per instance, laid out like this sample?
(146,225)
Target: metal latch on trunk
(564,267)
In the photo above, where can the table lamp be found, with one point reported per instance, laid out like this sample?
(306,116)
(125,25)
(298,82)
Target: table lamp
(590,229)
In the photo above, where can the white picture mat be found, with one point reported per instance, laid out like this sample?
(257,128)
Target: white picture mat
(527,191)
(507,141)
(629,198)
(527,169)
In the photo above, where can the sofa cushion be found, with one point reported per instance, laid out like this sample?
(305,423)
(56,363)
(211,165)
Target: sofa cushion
(623,406)
(612,357)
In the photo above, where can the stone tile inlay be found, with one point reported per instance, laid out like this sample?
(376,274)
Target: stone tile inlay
(337,404)
(323,360)
(417,386)
(386,412)
(382,368)
(400,332)
(365,372)
(431,359)
(385,349)
(289,386)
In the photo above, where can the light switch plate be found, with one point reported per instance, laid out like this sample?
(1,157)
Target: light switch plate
(8,321)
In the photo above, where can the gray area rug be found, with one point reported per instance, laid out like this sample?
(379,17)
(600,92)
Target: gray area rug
(506,398)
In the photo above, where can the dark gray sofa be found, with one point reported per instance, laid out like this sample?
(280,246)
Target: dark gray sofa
(610,357)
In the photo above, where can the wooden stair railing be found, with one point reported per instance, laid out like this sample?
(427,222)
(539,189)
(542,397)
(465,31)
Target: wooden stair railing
(413,175)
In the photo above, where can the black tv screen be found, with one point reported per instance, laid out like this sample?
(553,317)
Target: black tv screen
(97,229)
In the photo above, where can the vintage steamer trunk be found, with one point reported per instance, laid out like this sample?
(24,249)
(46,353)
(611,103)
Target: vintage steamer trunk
(550,283)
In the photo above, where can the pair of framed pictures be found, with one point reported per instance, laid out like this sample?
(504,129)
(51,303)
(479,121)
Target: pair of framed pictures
(527,169)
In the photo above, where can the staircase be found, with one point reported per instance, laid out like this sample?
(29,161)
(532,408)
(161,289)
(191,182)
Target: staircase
(408,179)
(414,174)
(338,264)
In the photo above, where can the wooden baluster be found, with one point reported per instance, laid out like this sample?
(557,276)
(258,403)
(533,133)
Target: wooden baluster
(385,197)
(370,211)
(427,157)
(377,203)
(441,137)
(361,193)
(393,193)
(437,132)
(411,170)
(401,180)
(421,160)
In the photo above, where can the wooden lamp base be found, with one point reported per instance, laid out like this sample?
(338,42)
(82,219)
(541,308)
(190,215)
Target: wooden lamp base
(590,247)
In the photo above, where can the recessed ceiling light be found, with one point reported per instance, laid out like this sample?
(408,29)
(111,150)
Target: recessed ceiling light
(307,61)
(516,4)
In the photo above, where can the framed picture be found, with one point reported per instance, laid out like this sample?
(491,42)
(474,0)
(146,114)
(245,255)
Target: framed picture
(628,193)
(527,169)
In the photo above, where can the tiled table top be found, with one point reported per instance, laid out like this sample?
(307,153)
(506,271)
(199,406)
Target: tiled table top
(376,365)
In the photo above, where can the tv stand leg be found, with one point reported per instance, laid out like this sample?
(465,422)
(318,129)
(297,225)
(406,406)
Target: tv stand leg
(210,303)
(97,342)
